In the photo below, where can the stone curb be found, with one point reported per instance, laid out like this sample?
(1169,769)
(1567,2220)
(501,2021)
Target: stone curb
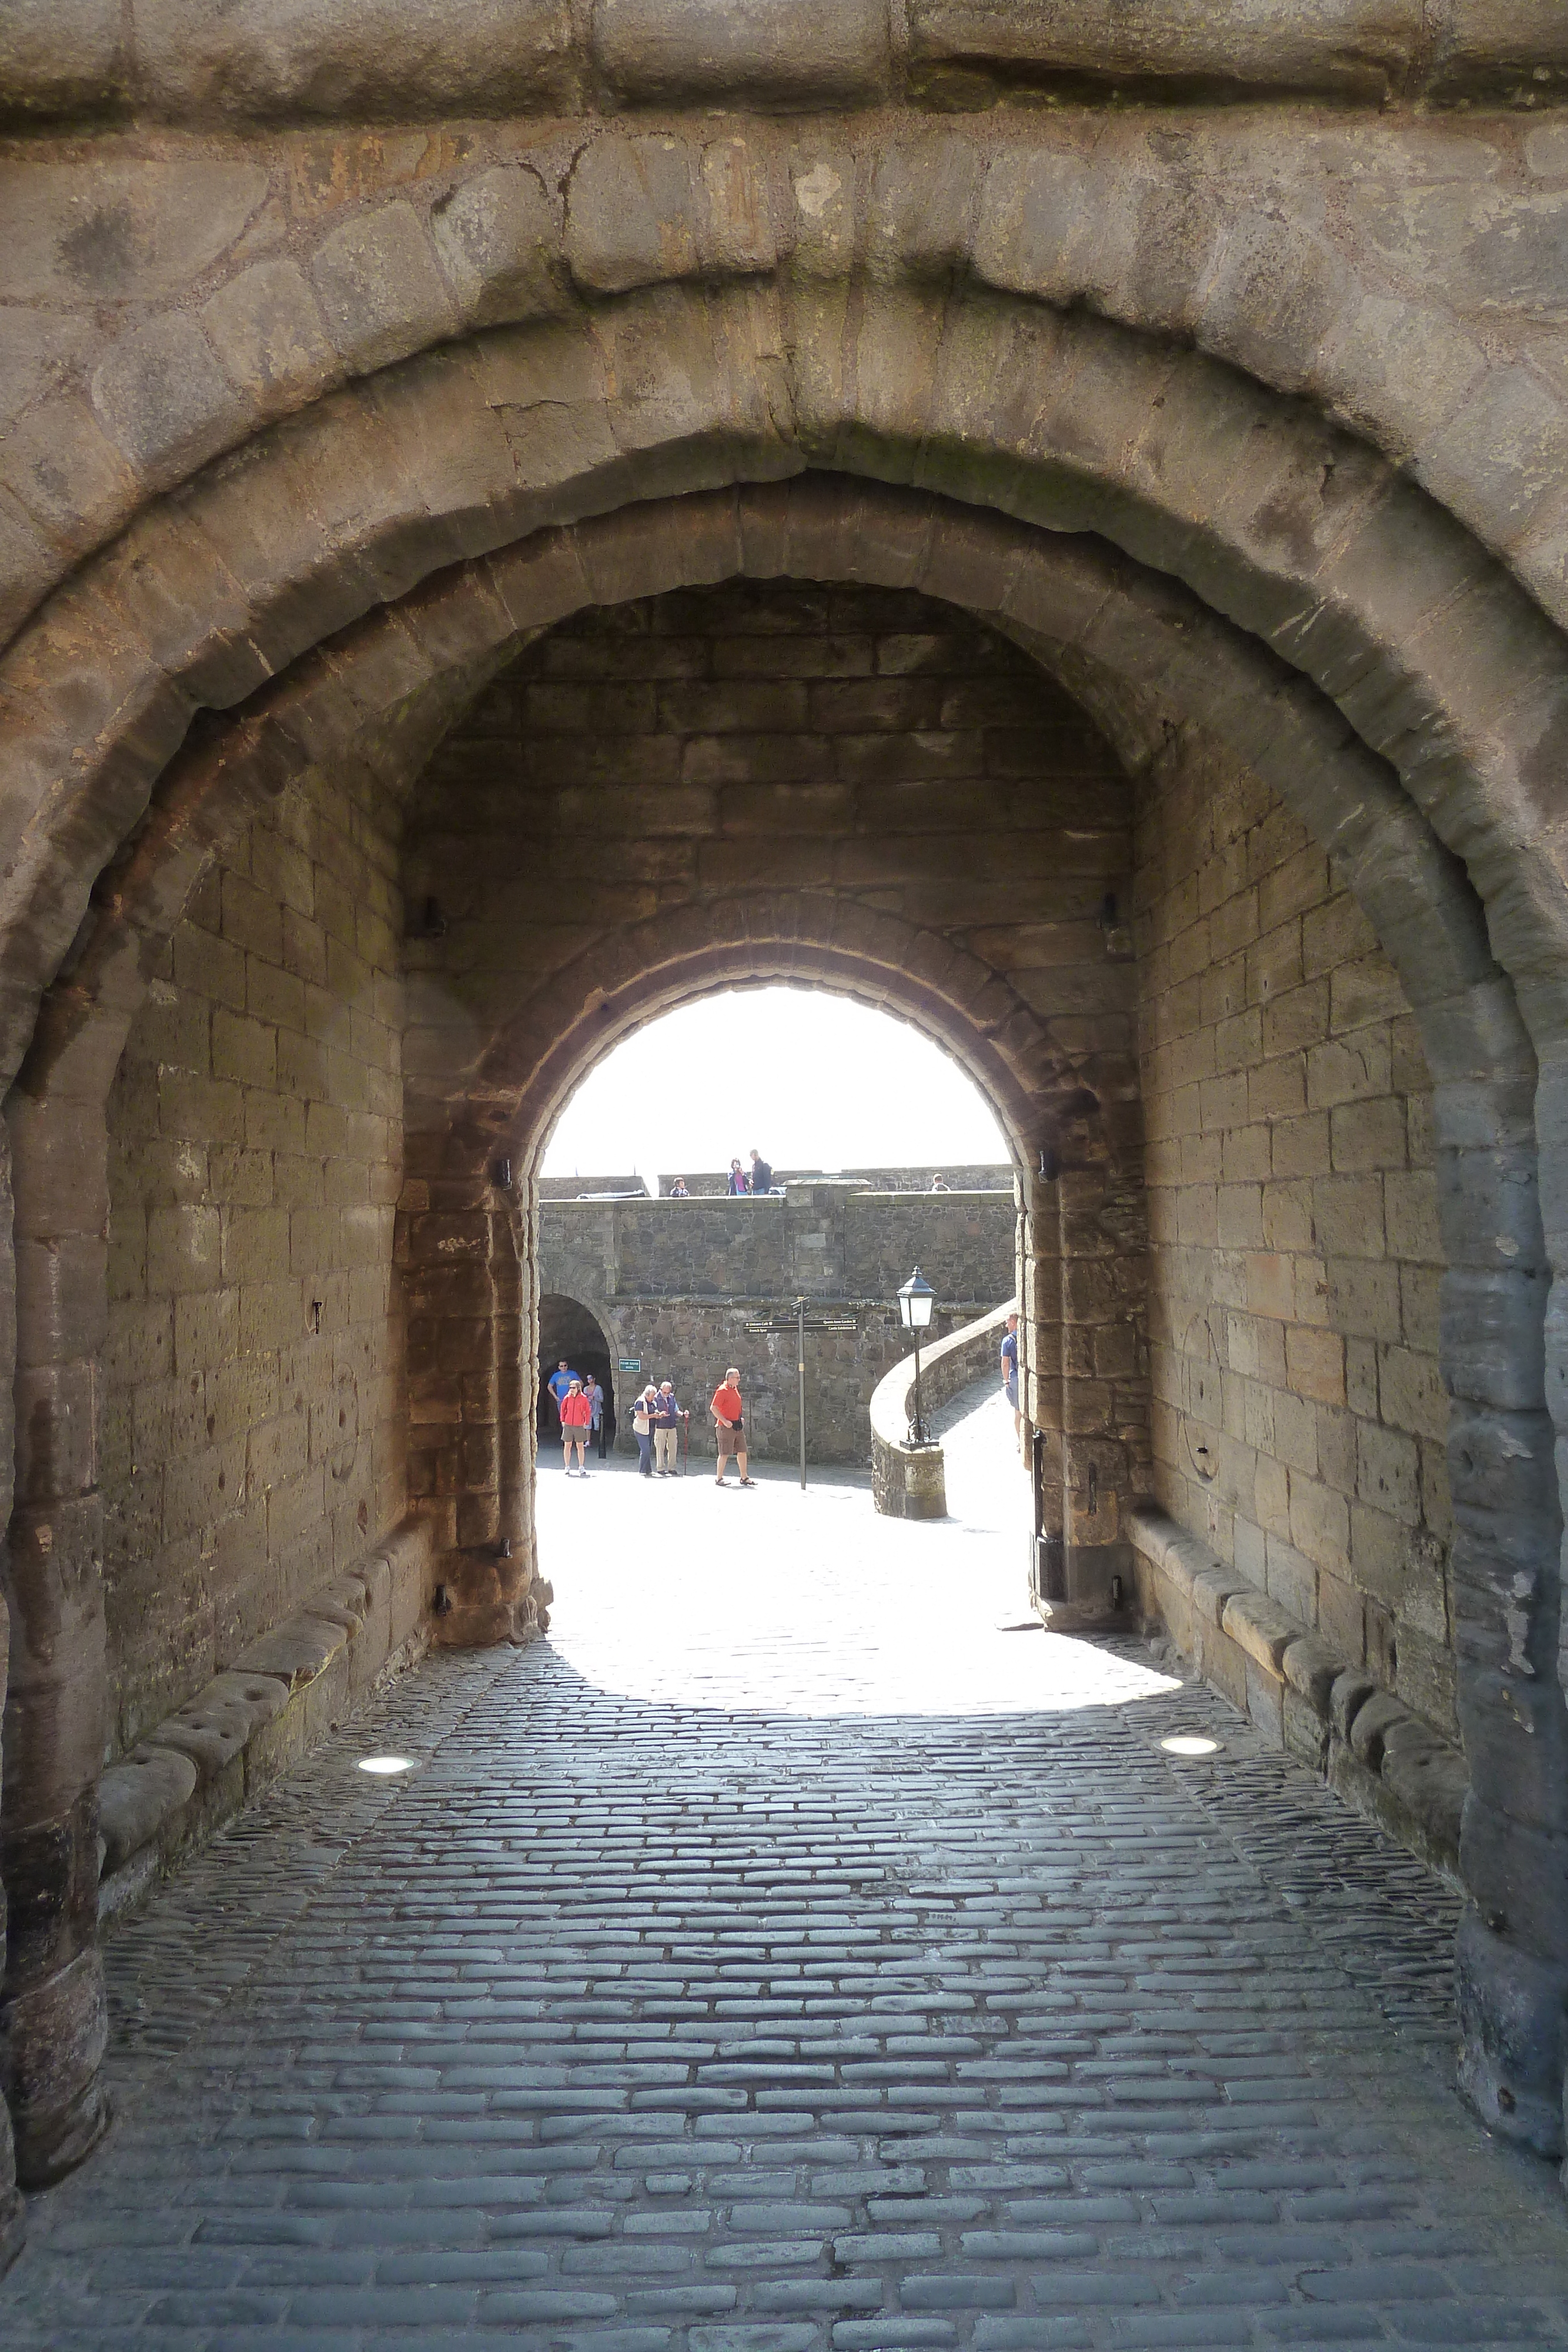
(1381,1759)
(284,1692)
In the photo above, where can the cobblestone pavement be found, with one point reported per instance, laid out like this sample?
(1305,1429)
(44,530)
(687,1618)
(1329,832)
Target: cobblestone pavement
(784,1956)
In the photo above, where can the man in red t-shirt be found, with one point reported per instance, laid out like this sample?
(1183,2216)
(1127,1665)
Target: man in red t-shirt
(576,1420)
(729,1421)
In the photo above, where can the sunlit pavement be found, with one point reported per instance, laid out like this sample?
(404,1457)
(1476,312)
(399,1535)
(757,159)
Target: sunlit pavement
(785,1955)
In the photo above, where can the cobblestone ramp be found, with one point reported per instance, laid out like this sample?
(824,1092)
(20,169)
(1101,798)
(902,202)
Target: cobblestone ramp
(631,2018)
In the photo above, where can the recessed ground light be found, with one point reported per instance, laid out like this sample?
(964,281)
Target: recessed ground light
(386,1765)
(1191,1743)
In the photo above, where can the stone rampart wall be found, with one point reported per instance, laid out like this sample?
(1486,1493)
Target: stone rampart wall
(674,1284)
(253,1440)
(968,1176)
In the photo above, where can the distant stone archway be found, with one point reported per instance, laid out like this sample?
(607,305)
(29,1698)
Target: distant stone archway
(581,1332)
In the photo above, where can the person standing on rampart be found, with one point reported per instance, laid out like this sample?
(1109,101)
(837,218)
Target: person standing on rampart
(761,1173)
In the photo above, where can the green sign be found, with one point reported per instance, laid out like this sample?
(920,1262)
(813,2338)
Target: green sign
(631,1363)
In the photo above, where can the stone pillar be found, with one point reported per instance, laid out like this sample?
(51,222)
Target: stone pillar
(11,2212)
(1083,1279)
(52,2013)
(1512,1955)
(1040,1372)
(458,1249)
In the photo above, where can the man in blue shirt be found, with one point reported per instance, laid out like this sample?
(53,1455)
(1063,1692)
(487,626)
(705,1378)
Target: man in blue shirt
(559,1380)
(1010,1370)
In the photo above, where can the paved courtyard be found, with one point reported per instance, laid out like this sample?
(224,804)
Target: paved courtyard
(787,1954)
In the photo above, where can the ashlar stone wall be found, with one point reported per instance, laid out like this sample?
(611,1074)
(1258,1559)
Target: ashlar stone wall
(1299,1417)
(252,1433)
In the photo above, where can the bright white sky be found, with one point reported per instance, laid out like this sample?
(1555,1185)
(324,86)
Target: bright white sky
(814,1081)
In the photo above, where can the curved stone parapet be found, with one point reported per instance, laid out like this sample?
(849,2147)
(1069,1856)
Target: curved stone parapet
(909,1482)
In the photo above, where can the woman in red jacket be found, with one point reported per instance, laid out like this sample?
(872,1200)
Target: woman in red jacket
(576,1420)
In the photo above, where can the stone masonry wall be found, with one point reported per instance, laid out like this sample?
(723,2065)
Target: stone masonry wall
(680,768)
(253,1435)
(674,1284)
(1299,1417)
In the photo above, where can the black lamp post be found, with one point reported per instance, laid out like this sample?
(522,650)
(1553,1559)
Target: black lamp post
(916,1300)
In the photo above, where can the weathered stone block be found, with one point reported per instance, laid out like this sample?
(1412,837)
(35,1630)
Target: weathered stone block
(141,1797)
(1370,1726)
(165,401)
(381,291)
(213,1728)
(294,1652)
(267,332)
(495,235)
(1350,1692)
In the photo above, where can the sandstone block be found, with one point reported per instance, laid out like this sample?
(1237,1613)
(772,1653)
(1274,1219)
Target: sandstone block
(1349,1693)
(140,229)
(214,1727)
(266,329)
(164,399)
(1260,1627)
(1304,1731)
(295,1651)
(495,235)
(768,52)
(1211,1588)
(138,1797)
(381,291)
(1370,1726)
(1312,1668)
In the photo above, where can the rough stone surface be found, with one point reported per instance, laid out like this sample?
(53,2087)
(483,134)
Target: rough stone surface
(1219,351)
(251,1442)
(1301,1418)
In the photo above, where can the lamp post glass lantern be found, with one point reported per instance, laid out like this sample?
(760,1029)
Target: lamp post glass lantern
(916,1300)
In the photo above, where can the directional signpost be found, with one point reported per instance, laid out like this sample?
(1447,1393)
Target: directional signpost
(800,1326)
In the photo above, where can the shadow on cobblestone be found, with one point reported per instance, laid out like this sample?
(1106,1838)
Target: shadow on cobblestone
(672,1999)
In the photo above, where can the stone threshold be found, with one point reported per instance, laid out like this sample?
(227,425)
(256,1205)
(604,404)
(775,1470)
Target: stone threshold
(1385,1761)
(284,1692)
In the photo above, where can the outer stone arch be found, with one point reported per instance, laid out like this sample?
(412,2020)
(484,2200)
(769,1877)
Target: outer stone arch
(534,584)
(1311,545)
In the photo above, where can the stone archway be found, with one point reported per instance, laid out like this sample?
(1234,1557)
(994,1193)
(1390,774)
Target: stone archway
(580,1333)
(946,564)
